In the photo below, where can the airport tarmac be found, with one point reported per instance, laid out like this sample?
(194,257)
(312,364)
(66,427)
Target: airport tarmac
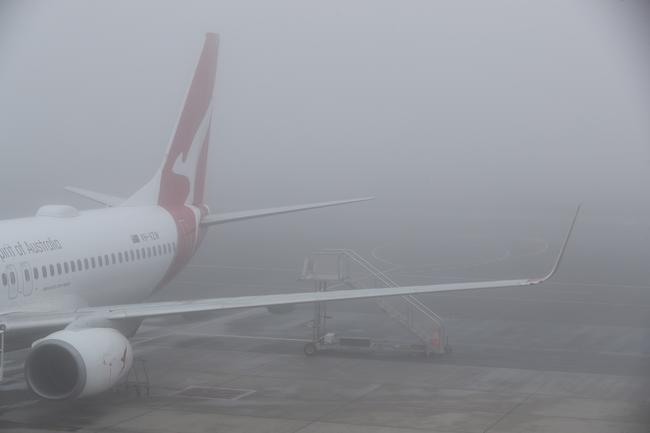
(567,356)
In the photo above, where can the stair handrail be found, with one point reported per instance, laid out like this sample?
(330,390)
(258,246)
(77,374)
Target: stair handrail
(388,281)
(413,301)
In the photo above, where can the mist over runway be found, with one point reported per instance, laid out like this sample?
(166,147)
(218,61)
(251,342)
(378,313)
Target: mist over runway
(591,317)
(569,354)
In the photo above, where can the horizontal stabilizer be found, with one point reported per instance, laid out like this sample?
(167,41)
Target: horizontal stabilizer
(214,219)
(98,197)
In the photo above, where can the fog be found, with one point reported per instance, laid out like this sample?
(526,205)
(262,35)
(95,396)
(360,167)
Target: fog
(464,109)
(444,105)
(478,126)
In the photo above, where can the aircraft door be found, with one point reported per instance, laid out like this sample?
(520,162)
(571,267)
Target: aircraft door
(27,279)
(186,236)
(186,228)
(12,281)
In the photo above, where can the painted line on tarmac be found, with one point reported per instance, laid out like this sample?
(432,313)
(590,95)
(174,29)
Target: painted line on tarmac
(553,350)
(250,337)
(506,256)
(520,299)
(246,268)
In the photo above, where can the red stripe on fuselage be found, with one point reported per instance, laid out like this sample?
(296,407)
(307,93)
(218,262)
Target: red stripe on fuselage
(188,239)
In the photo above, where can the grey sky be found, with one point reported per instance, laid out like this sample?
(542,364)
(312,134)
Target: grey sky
(444,104)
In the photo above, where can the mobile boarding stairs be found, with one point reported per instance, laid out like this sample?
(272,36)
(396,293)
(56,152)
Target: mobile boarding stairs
(331,268)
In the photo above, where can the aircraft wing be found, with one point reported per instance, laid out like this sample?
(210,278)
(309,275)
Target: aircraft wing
(213,219)
(86,317)
(89,316)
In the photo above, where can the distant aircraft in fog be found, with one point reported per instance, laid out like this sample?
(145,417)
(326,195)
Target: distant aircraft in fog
(74,284)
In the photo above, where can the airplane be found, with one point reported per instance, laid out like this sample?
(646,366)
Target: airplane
(74,285)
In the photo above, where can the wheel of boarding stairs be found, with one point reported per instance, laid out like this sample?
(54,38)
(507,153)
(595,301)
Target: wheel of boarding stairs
(310,349)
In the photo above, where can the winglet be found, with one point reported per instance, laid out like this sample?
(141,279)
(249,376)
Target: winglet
(558,260)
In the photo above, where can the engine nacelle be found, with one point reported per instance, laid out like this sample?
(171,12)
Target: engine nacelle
(77,363)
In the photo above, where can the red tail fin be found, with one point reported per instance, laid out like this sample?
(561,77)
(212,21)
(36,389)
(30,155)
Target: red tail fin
(181,178)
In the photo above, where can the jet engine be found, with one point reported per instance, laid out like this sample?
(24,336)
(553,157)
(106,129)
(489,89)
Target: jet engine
(75,363)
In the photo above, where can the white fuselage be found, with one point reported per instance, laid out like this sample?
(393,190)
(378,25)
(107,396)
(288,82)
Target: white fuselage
(62,258)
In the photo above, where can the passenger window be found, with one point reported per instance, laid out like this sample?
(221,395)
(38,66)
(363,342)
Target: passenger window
(106,261)
(36,273)
(12,277)
(26,274)
(44,271)
(86,263)
(126,256)
(99,261)
(137,254)
(79,265)
(144,253)
(58,268)
(66,267)
(4,279)
(119,257)
(73,267)
(113,258)
(51,270)
(92,262)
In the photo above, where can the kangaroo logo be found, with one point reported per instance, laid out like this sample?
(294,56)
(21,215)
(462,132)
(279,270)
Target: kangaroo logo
(186,163)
